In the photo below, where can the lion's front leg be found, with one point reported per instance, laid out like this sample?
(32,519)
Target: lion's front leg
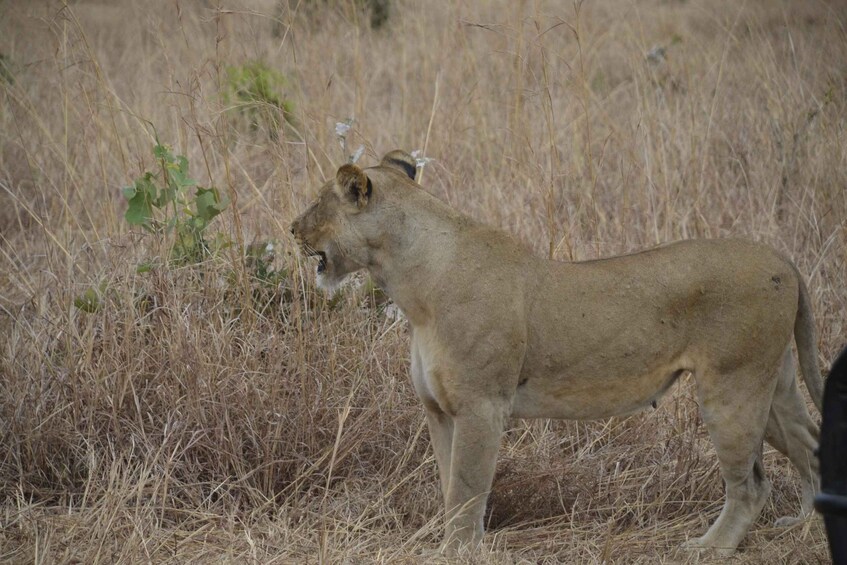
(441,435)
(477,430)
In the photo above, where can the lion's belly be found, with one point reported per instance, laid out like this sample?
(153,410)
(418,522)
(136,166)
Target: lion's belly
(590,397)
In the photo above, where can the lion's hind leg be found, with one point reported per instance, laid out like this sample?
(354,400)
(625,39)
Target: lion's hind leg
(735,408)
(792,431)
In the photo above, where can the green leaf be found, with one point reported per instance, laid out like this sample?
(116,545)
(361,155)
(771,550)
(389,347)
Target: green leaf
(140,209)
(139,212)
(162,152)
(88,301)
(209,204)
(178,172)
(220,241)
(198,223)
(166,196)
(188,246)
(182,164)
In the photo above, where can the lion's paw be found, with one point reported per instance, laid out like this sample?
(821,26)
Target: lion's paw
(701,546)
(692,544)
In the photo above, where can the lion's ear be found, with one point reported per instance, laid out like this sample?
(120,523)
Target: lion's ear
(400,160)
(354,184)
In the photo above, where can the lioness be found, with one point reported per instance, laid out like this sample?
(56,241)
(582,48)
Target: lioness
(497,332)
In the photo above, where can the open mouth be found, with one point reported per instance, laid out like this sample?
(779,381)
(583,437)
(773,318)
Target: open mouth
(322,263)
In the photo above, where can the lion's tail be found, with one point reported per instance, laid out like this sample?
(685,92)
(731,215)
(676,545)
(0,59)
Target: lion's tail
(807,345)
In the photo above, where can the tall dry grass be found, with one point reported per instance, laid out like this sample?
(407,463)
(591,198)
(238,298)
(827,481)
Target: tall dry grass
(199,416)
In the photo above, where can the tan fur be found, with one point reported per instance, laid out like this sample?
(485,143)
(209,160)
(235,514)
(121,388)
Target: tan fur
(499,333)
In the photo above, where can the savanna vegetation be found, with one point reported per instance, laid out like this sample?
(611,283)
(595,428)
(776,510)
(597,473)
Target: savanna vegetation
(173,387)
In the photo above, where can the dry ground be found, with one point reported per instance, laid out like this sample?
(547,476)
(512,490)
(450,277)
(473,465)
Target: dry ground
(201,414)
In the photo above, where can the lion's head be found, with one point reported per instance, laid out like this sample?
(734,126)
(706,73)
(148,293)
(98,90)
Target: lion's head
(346,221)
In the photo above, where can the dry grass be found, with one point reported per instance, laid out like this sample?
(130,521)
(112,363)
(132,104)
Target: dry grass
(202,424)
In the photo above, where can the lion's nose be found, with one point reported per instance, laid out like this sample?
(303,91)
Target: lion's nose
(292,230)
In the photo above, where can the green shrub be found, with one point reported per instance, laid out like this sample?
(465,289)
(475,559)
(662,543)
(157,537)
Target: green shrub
(170,202)
(255,92)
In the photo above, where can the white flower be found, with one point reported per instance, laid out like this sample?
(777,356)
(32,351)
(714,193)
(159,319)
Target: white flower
(656,55)
(420,160)
(341,128)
